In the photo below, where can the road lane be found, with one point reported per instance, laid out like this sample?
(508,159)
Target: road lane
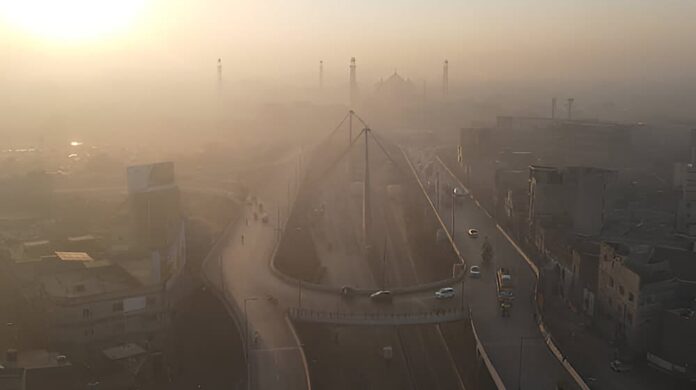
(504,338)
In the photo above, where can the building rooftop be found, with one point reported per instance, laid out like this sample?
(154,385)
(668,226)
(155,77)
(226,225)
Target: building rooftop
(123,351)
(99,277)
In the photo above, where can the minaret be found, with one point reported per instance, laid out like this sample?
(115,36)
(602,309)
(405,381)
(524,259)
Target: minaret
(445,79)
(219,69)
(570,108)
(321,74)
(353,84)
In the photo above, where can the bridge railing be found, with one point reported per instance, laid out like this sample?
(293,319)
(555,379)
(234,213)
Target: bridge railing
(370,318)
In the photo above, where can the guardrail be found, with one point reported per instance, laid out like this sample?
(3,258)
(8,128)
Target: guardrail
(379,318)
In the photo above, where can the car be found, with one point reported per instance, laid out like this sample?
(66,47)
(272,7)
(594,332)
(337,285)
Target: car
(381,296)
(619,366)
(458,192)
(473,233)
(444,293)
(475,271)
(347,291)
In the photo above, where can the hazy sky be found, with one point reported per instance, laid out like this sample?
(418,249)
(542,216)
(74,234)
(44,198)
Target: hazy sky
(273,39)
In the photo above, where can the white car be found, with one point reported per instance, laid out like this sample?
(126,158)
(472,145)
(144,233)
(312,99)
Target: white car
(458,192)
(444,293)
(473,233)
(475,271)
(381,296)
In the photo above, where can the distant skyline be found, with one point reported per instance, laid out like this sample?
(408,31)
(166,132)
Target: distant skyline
(275,40)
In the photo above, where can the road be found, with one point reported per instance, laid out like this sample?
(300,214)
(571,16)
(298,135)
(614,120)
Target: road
(511,342)
(241,271)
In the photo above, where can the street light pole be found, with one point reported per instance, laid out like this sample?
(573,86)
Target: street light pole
(246,340)
(519,368)
(452,229)
(299,293)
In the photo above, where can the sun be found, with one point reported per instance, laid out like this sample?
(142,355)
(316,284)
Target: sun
(70,20)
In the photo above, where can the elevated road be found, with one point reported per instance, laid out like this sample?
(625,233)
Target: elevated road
(514,344)
(240,269)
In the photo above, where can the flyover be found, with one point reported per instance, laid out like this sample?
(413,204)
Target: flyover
(241,270)
(521,351)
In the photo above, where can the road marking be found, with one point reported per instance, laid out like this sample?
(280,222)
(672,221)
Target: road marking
(451,359)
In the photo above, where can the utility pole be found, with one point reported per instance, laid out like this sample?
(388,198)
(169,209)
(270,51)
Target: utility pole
(350,126)
(299,293)
(246,339)
(437,190)
(366,189)
(453,205)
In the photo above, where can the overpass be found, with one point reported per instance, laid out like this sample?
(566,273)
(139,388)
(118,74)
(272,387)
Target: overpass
(241,271)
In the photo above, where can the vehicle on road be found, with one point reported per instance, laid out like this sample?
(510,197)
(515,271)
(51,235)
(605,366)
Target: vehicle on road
(473,233)
(347,291)
(475,271)
(504,286)
(444,293)
(381,296)
(619,366)
(458,192)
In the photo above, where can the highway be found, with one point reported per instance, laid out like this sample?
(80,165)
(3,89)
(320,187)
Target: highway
(514,344)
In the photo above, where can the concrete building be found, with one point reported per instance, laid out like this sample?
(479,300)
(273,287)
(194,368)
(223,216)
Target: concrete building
(635,283)
(37,370)
(578,196)
(93,295)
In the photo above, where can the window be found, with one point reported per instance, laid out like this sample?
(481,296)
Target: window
(621,290)
(118,306)
(630,297)
(86,313)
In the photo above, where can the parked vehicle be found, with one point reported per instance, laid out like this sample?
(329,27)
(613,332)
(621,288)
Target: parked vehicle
(458,192)
(444,293)
(473,233)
